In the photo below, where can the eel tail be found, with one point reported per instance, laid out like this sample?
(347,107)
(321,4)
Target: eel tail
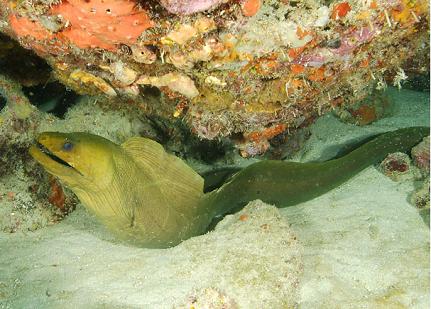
(288,183)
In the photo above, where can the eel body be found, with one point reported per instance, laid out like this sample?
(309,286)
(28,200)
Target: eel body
(153,199)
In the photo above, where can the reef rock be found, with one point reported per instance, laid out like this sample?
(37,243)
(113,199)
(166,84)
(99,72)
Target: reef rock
(246,66)
(397,166)
(421,155)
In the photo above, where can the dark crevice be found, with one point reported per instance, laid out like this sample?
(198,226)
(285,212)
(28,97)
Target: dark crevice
(2,103)
(52,98)
(22,65)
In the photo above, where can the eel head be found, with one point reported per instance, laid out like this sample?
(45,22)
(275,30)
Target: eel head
(80,160)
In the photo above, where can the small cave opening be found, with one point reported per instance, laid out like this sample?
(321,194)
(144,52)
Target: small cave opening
(34,76)
(151,91)
(209,151)
(20,64)
(53,98)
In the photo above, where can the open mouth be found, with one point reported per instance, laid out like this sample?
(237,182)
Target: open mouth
(53,156)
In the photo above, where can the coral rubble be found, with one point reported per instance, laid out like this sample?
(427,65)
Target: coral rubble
(228,67)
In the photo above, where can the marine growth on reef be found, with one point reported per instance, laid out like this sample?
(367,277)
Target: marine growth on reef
(245,68)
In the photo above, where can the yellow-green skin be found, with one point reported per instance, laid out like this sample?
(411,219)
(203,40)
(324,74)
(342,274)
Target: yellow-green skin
(141,193)
(153,199)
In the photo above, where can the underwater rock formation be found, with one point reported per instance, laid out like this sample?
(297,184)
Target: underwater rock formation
(23,186)
(397,166)
(18,103)
(421,196)
(421,155)
(227,67)
(365,111)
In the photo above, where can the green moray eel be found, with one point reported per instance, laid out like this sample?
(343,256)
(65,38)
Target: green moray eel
(153,199)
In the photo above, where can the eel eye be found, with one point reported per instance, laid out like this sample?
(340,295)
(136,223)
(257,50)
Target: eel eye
(67,146)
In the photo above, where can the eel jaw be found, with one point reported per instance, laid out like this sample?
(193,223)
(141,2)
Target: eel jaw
(52,163)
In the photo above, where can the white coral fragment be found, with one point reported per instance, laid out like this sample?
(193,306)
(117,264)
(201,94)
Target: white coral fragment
(175,81)
(181,35)
(212,80)
(201,54)
(122,73)
(399,78)
(381,84)
(205,24)
(322,17)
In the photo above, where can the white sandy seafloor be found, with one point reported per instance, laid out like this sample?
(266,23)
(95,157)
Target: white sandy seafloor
(361,245)
(248,263)
(364,245)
